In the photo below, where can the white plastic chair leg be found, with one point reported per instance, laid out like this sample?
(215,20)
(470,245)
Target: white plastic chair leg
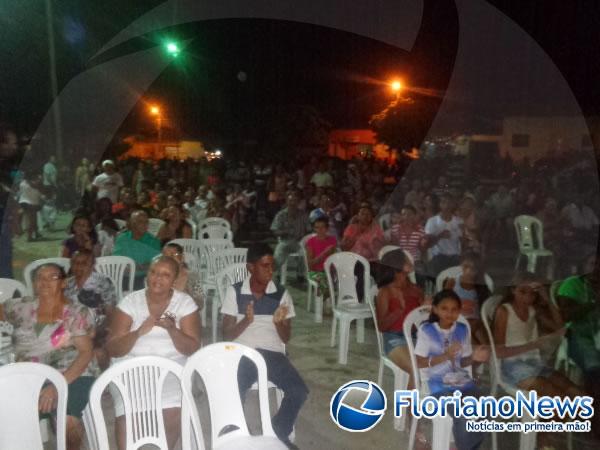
(283,273)
(45,430)
(215,318)
(360,330)
(380,373)
(333,329)
(318,309)
(400,383)
(344,338)
(442,432)
(309,295)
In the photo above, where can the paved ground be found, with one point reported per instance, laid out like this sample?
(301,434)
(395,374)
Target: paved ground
(317,362)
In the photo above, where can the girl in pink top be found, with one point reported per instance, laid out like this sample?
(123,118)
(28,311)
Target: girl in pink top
(318,248)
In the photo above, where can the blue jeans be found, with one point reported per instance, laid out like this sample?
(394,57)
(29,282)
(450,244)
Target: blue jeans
(464,440)
(282,373)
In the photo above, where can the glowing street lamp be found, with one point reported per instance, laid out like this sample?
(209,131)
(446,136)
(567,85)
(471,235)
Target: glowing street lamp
(172,48)
(155,111)
(396,86)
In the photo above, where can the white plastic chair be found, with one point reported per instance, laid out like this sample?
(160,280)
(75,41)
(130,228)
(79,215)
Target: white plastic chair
(527,441)
(530,237)
(442,426)
(313,287)
(224,258)
(454,272)
(90,429)
(225,278)
(194,227)
(115,267)
(344,298)
(9,287)
(388,248)
(140,383)
(20,386)
(384,221)
(154,225)
(400,376)
(215,232)
(192,250)
(217,364)
(214,221)
(65,263)
(284,267)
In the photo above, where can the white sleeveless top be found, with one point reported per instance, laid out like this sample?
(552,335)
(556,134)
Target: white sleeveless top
(519,332)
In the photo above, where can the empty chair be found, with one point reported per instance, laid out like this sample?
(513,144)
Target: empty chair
(20,386)
(225,258)
(137,387)
(65,263)
(217,366)
(215,232)
(344,298)
(154,225)
(214,221)
(115,268)
(11,289)
(530,237)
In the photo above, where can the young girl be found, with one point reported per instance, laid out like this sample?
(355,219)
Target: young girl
(397,297)
(83,236)
(318,248)
(524,309)
(472,290)
(443,348)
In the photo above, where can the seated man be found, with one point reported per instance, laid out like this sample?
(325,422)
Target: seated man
(257,313)
(289,225)
(139,245)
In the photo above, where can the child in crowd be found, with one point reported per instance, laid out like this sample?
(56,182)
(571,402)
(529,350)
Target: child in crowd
(396,298)
(443,349)
(83,236)
(318,249)
(471,288)
(107,235)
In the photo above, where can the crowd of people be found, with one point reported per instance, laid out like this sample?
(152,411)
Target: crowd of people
(438,215)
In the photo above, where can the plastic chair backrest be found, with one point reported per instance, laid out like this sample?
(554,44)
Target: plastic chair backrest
(210,247)
(225,258)
(214,221)
(20,386)
(9,287)
(373,305)
(140,382)
(230,275)
(154,225)
(30,268)
(488,310)
(303,242)
(384,221)
(212,232)
(115,268)
(192,251)
(345,281)
(192,224)
(455,271)
(217,364)
(530,233)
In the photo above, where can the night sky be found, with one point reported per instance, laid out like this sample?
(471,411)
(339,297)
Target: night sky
(338,73)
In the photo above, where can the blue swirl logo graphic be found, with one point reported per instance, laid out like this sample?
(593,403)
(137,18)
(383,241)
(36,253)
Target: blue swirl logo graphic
(372,407)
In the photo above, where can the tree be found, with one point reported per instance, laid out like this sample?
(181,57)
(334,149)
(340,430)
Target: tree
(405,122)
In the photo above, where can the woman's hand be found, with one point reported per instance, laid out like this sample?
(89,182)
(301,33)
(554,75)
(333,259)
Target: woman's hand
(146,326)
(167,321)
(453,350)
(481,353)
(48,399)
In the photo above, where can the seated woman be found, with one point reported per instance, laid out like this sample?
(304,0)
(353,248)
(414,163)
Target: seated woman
(49,329)
(97,292)
(525,308)
(187,281)
(318,248)
(471,288)
(396,298)
(83,236)
(175,226)
(159,321)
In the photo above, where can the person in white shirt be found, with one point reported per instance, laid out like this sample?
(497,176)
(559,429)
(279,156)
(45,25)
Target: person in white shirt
(444,233)
(49,172)
(322,178)
(258,313)
(108,183)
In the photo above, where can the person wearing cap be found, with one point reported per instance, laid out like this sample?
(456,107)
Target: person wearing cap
(257,313)
(108,183)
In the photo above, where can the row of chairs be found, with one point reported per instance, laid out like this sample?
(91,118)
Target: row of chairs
(139,382)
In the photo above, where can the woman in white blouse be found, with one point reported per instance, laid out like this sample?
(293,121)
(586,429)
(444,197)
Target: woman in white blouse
(159,321)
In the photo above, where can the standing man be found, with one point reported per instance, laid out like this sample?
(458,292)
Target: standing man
(444,233)
(49,173)
(257,313)
(108,183)
(289,225)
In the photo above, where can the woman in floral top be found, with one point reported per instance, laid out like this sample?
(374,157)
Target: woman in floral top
(51,330)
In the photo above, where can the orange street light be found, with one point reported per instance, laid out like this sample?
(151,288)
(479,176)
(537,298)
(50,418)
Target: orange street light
(396,86)
(154,110)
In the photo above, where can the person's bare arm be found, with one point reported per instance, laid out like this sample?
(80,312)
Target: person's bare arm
(385,319)
(232,328)
(500,325)
(186,338)
(122,338)
(187,231)
(282,325)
